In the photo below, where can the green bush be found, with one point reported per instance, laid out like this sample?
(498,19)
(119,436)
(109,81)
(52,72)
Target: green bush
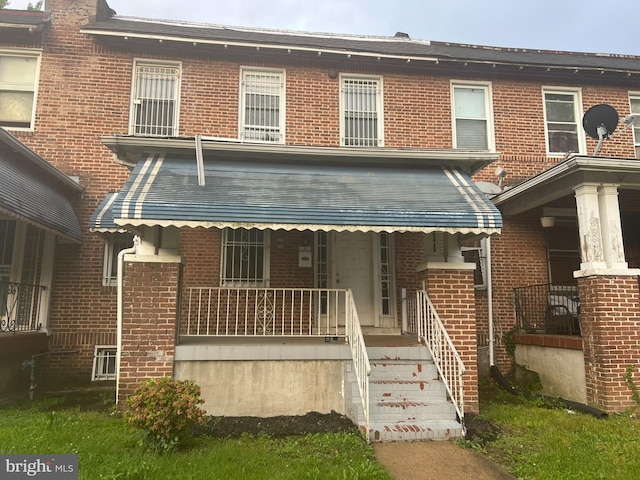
(165,410)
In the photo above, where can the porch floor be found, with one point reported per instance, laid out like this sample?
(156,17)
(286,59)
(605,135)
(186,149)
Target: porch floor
(369,340)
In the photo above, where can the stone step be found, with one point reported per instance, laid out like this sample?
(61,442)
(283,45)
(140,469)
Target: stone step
(395,370)
(417,352)
(411,409)
(414,431)
(404,388)
(407,400)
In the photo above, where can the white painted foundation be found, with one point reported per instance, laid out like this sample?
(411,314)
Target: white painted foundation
(267,388)
(561,370)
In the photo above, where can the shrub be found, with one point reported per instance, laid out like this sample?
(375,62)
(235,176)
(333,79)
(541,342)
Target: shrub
(165,410)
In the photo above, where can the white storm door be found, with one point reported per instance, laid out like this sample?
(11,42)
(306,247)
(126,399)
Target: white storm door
(352,259)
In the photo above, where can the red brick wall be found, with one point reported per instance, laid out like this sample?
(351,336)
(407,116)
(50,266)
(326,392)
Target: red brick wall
(409,249)
(84,94)
(609,309)
(519,258)
(452,294)
(150,307)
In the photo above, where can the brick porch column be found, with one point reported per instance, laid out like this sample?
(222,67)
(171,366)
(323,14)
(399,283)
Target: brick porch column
(150,312)
(451,289)
(609,313)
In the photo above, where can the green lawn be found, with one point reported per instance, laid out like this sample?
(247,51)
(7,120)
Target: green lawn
(108,449)
(554,443)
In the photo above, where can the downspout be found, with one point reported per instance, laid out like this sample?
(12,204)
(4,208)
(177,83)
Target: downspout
(492,361)
(120,282)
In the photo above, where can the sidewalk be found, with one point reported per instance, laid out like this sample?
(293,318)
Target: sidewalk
(436,461)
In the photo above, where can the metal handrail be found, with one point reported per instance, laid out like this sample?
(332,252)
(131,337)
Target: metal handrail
(548,308)
(20,307)
(445,356)
(361,363)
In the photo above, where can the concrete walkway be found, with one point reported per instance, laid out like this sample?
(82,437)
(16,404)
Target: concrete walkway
(436,461)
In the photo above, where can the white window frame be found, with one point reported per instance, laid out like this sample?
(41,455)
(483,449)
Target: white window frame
(635,96)
(488,109)
(577,107)
(135,100)
(102,354)
(379,105)
(23,87)
(249,133)
(245,282)
(111,250)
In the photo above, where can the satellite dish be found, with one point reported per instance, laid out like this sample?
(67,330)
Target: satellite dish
(599,122)
(489,188)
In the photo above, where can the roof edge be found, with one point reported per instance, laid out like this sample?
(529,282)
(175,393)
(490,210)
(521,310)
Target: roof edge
(17,146)
(129,149)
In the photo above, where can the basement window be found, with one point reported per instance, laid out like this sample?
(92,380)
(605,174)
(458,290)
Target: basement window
(104,363)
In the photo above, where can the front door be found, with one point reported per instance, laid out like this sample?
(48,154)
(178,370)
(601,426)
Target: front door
(353,268)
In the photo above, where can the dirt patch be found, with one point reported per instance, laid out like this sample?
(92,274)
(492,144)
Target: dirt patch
(280,426)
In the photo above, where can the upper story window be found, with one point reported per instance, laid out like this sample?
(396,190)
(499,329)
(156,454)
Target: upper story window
(562,113)
(155,99)
(361,112)
(634,101)
(245,257)
(472,116)
(18,80)
(262,101)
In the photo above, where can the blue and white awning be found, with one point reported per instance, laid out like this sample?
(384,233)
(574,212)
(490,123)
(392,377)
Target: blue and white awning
(163,190)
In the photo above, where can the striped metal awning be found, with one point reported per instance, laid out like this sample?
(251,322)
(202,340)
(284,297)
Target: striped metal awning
(33,191)
(163,190)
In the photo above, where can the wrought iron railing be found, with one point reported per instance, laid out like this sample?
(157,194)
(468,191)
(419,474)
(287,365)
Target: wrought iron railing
(444,353)
(260,312)
(20,307)
(548,308)
(361,363)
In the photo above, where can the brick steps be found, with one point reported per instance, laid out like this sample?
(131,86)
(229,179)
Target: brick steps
(407,400)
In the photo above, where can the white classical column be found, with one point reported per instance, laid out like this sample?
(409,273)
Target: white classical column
(610,225)
(589,227)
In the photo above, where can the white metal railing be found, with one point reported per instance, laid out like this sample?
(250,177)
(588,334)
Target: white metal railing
(444,353)
(274,312)
(361,363)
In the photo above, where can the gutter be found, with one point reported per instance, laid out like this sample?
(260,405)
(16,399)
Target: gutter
(120,282)
(128,149)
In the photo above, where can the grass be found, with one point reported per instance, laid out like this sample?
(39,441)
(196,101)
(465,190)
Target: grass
(537,441)
(107,448)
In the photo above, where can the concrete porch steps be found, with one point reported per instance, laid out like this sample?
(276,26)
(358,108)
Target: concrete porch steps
(408,402)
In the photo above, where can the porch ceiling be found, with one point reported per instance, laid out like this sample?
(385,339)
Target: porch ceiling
(163,190)
(561,180)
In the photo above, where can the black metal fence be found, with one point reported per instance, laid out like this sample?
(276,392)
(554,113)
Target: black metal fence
(548,308)
(20,307)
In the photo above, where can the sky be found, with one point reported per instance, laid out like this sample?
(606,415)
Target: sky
(594,26)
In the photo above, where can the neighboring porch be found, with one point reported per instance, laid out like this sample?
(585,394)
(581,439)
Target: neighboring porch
(35,214)
(576,318)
